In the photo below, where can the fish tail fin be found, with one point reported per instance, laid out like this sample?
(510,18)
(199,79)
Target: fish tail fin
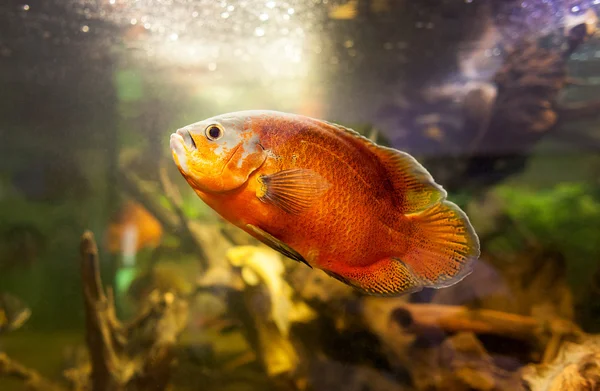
(442,245)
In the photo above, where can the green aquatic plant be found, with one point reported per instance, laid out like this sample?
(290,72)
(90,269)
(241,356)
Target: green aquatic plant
(565,218)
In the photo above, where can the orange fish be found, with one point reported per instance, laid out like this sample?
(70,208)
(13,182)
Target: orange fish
(132,229)
(326,196)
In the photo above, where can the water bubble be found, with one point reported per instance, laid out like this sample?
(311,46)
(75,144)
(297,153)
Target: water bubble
(348,43)
(212,66)
(85,28)
(133,21)
(174,37)
(112,1)
(264,17)
(195,14)
(259,32)
(575,8)
(291,11)
(225,15)
(270,4)
(230,8)
(26,7)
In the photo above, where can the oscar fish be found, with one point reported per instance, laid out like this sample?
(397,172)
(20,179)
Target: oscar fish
(322,194)
(132,229)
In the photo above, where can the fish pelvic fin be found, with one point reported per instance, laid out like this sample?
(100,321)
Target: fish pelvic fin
(276,244)
(442,245)
(386,277)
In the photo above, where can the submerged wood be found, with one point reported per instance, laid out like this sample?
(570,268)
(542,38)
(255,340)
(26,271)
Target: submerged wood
(457,318)
(33,380)
(424,318)
(209,243)
(135,356)
(575,368)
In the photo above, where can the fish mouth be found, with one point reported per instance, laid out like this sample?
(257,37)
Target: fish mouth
(177,143)
(187,138)
(179,150)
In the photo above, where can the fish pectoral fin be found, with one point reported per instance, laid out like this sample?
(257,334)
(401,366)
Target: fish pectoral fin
(386,277)
(293,190)
(277,244)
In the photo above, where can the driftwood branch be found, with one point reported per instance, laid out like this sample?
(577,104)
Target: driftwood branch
(575,368)
(548,335)
(100,334)
(185,225)
(454,319)
(135,356)
(136,188)
(33,380)
(209,243)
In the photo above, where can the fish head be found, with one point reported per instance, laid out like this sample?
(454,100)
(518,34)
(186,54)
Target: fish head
(218,154)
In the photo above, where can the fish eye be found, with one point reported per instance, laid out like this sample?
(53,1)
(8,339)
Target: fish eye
(214,132)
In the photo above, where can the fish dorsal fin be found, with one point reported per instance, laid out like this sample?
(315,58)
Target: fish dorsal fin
(292,190)
(276,244)
(414,187)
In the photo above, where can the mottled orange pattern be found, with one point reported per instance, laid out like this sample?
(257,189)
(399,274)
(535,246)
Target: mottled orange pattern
(382,224)
(149,232)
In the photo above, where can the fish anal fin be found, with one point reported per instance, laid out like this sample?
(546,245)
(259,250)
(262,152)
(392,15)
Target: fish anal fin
(276,244)
(386,277)
(414,187)
(442,245)
(294,190)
